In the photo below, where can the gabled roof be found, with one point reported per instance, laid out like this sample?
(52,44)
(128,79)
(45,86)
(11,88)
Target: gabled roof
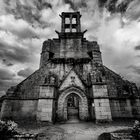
(72,78)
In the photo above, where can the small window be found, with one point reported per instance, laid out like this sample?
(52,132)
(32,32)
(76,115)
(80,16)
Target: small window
(73,30)
(67,30)
(67,21)
(73,20)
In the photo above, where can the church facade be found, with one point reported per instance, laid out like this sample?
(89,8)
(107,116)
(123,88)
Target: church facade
(72,82)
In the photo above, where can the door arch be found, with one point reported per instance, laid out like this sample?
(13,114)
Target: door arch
(62,111)
(72,106)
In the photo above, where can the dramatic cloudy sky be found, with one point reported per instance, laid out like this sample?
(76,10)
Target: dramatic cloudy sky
(25,24)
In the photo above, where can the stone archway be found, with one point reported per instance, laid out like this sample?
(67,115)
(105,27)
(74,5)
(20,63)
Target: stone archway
(62,113)
(72,101)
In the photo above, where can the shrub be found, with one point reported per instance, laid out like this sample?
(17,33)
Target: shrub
(7,129)
(136,130)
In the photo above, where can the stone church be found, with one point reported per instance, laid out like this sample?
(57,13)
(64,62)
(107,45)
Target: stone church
(71,82)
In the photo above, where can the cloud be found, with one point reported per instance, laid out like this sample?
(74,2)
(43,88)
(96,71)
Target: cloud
(137,47)
(6,75)
(24,25)
(133,10)
(6,62)
(135,68)
(13,53)
(25,72)
(18,27)
(6,78)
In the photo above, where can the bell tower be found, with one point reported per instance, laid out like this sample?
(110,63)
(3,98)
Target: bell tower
(71,38)
(70,22)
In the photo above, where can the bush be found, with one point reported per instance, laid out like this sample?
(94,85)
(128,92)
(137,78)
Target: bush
(104,136)
(7,129)
(136,130)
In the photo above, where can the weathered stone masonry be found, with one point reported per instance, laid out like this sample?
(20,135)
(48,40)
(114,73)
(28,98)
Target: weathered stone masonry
(71,82)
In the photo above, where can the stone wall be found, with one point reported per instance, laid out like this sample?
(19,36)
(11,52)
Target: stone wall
(102,110)
(121,108)
(19,109)
(45,110)
(124,96)
(101,103)
(46,103)
(115,108)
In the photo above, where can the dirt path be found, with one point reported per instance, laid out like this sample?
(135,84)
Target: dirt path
(88,131)
(73,131)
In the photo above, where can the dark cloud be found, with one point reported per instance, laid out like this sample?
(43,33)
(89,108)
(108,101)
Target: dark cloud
(102,3)
(27,10)
(42,4)
(7,79)
(5,84)
(75,5)
(137,47)
(25,72)
(14,53)
(115,6)
(25,33)
(20,10)
(6,75)
(122,7)
(111,5)
(133,10)
(18,27)
(6,62)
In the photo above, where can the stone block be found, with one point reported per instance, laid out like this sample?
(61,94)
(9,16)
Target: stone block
(46,91)
(45,110)
(102,109)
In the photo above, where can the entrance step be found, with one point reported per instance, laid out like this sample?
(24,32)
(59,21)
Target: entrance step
(73,120)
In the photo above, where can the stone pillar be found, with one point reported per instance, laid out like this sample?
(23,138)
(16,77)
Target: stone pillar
(101,103)
(70,23)
(63,23)
(78,23)
(129,109)
(46,103)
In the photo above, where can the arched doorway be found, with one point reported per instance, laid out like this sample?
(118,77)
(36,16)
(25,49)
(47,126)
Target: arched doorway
(73,106)
(64,110)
